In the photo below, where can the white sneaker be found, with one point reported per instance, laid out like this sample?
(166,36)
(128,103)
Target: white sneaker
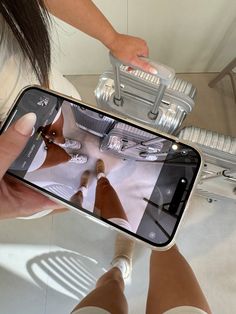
(78,158)
(69,143)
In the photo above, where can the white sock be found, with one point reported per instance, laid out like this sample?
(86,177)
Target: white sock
(101,175)
(84,190)
(123,266)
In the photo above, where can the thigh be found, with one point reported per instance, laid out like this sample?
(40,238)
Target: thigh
(55,155)
(107,202)
(172,283)
(108,294)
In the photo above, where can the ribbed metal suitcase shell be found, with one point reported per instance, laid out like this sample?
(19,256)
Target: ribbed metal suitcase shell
(218,149)
(129,142)
(218,179)
(91,121)
(139,90)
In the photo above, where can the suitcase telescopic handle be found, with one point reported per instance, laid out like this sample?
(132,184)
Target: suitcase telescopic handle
(164,73)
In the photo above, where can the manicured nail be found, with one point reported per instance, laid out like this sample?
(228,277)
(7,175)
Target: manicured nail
(25,124)
(153,71)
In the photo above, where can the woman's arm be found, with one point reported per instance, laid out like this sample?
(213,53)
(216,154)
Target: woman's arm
(86,17)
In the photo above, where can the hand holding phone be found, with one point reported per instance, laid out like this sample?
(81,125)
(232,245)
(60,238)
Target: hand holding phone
(16,199)
(114,171)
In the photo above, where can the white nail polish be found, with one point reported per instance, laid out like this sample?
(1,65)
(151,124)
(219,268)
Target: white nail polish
(153,71)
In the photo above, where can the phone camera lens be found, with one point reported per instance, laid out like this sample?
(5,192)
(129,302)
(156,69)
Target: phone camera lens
(184,152)
(174,146)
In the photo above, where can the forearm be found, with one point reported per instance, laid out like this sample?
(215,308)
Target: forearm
(85,16)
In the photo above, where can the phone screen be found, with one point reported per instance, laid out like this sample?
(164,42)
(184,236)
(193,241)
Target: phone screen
(134,179)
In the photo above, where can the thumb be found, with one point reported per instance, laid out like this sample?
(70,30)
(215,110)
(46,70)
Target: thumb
(14,139)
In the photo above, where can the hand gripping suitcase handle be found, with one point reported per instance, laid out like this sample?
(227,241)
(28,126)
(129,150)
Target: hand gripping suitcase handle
(164,73)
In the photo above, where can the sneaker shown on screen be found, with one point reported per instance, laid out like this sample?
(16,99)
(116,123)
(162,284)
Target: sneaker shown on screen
(78,158)
(72,144)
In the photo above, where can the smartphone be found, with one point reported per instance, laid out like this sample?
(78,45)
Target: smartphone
(111,169)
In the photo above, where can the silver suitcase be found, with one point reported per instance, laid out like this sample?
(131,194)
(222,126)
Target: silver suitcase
(92,122)
(121,139)
(218,180)
(161,100)
(128,142)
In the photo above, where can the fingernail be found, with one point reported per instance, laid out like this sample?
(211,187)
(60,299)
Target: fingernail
(153,71)
(25,124)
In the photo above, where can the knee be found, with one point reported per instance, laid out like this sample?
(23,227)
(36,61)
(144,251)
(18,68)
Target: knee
(104,185)
(116,285)
(112,278)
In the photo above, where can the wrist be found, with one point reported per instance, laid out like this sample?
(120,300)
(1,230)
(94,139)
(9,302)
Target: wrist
(110,39)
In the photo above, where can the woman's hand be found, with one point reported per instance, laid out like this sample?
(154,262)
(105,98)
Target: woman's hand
(129,49)
(17,200)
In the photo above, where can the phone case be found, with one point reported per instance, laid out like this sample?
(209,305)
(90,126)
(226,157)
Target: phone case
(162,100)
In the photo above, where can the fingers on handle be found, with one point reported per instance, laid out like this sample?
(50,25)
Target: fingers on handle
(14,139)
(145,66)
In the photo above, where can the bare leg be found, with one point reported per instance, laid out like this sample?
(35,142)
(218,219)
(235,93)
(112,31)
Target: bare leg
(108,294)
(107,203)
(55,155)
(54,131)
(78,197)
(109,291)
(172,283)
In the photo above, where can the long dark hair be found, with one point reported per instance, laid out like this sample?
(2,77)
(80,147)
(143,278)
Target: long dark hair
(29,22)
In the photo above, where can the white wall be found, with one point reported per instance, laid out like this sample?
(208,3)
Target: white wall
(189,35)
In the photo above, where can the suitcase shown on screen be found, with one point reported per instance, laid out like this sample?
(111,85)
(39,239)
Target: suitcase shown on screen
(92,122)
(128,142)
(161,101)
(218,180)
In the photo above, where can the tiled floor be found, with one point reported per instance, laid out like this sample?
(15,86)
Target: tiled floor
(49,264)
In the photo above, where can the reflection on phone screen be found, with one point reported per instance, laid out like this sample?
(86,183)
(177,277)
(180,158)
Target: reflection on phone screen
(132,178)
